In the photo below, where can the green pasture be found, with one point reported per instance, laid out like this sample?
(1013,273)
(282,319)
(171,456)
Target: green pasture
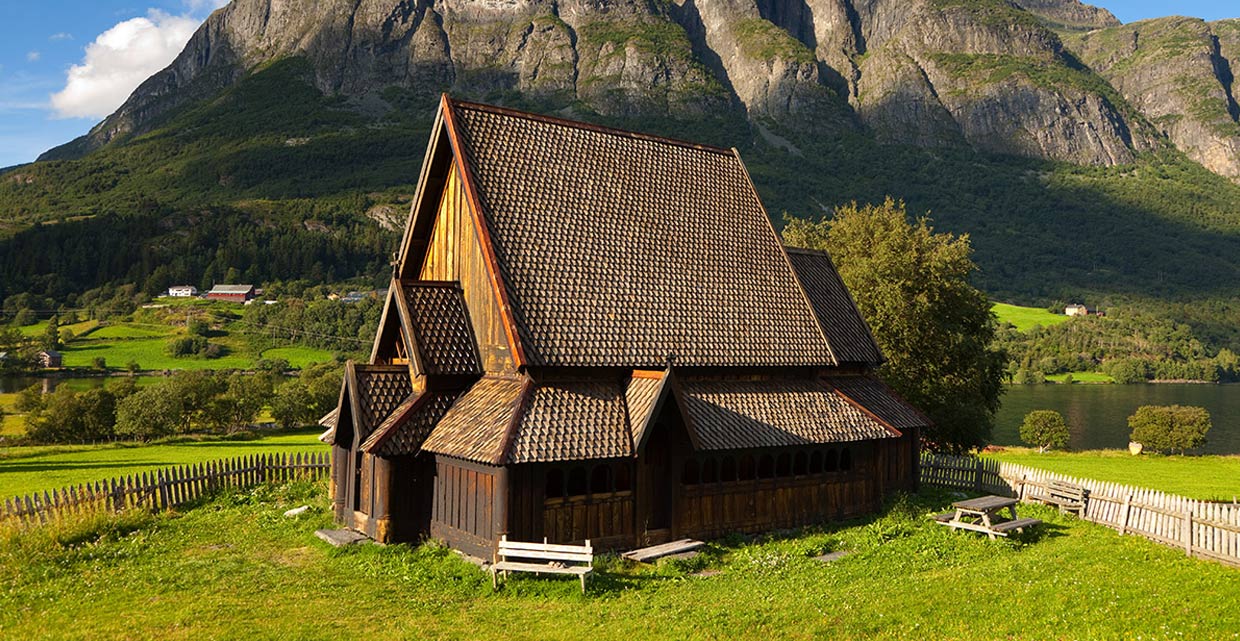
(1082,377)
(40,327)
(1025,318)
(149,353)
(34,469)
(1199,477)
(299,356)
(235,567)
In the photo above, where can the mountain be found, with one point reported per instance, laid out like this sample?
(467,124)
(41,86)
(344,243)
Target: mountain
(1087,159)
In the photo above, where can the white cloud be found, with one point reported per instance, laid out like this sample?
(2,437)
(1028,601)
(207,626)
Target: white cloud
(118,61)
(60,36)
(33,56)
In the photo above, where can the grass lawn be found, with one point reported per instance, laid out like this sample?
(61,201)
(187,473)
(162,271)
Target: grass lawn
(133,330)
(40,327)
(149,353)
(1025,318)
(30,469)
(12,423)
(1082,377)
(236,568)
(299,356)
(1199,477)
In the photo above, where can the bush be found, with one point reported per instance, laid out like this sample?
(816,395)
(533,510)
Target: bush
(1170,428)
(1044,429)
(100,363)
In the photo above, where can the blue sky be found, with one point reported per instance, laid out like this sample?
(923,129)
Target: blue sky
(64,64)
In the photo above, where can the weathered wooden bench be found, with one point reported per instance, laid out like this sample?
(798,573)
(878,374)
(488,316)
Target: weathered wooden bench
(1015,524)
(1068,497)
(539,558)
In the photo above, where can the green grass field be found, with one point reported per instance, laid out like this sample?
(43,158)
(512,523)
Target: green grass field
(1089,378)
(236,568)
(1199,477)
(299,356)
(40,327)
(1024,318)
(30,469)
(149,353)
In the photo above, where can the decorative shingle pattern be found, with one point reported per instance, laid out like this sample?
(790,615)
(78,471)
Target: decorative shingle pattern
(380,389)
(570,421)
(622,251)
(476,427)
(407,427)
(846,331)
(736,414)
(879,399)
(441,328)
(641,396)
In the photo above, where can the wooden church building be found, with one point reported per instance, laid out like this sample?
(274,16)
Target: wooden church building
(597,334)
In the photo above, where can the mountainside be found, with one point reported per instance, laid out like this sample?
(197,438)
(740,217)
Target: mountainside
(1059,138)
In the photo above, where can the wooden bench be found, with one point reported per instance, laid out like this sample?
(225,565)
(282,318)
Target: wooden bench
(539,558)
(1015,524)
(1068,497)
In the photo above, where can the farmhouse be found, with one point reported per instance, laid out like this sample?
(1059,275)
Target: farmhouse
(49,358)
(596,334)
(182,291)
(233,293)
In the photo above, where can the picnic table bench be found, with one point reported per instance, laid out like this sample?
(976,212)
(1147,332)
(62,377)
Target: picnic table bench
(1068,497)
(982,514)
(542,558)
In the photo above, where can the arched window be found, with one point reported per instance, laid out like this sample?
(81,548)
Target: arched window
(577,482)
(689,475)
(555,483)
(815,462)
(766,466)
(783,465)
(799,464)
(846,460)
(600,479)
(727,471)
(710,471)
(833,461)
(747,469)
(622,477)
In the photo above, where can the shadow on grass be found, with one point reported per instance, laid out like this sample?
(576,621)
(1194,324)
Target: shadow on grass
(52,466)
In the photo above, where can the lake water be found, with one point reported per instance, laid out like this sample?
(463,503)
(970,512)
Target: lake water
(1097,415)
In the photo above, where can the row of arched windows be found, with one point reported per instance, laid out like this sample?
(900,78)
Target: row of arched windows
(602,478)
(748,467)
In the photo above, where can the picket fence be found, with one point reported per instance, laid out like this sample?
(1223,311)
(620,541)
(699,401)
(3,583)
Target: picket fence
(1205,529)
(167,487)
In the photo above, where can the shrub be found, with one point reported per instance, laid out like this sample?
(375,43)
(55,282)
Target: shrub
(1164,428)
(100,363)
(1044,429)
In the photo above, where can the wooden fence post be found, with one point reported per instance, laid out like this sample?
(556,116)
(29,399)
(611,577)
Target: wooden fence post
(1123,527)
(977,475)
(1188,532)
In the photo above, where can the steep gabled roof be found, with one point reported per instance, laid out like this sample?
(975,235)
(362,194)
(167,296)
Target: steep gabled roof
(479,424)
(879,400)
(847,333)
(372,392)
(442,333)
(406,428)
(645,395)
(621,250)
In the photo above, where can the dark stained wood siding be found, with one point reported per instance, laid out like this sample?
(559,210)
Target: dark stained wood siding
(767,494)
(604,515)
(455,255)
(465,505)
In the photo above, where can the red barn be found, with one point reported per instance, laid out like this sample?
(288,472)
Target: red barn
(233,293)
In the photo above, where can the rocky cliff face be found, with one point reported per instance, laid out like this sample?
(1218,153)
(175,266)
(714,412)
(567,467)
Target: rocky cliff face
(1180,73)
(987,73)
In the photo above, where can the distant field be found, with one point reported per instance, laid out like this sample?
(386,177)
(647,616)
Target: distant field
(1082,377)
(31,469)
(1199,477)
(40,327)
(1024,318)
(299,356)
(149,353)
(132,330)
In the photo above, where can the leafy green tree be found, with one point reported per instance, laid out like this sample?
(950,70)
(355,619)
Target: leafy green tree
(29,400)
(290,406)
(1170,428)
(133,367)
(301,401)
(1127,370)
(936,330)
(149,413)
(66,416)
(25,317)
(51,335)
(1044,429)
(241,402)
(99,363)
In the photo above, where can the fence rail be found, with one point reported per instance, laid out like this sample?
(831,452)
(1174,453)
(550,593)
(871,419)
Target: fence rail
(1201,528)
(167,487)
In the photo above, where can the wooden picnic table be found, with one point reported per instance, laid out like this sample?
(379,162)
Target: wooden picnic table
(983,514)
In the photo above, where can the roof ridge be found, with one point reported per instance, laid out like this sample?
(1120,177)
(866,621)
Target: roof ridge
(588,126)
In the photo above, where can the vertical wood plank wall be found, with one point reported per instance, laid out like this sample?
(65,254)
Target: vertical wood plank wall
(454,254)
(464,505)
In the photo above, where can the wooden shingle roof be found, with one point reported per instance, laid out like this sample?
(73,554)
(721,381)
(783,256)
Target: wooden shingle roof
(408,426)
(478,425)
(376,390)
(442,333)
(847,333)
(880,400)
(570,421)
(621,250)
(725,414)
